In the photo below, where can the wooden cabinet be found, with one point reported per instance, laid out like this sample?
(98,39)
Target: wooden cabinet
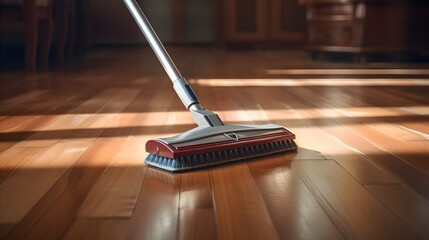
(245,20)
(223,22)
(367,26)
(175,21)
(260,22)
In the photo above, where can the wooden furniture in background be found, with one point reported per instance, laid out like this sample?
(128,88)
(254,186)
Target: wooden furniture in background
(367,26)
(260,22)
(219,22)
(34,19)
(175,22)
(62,21)
(44,25)
(81,43)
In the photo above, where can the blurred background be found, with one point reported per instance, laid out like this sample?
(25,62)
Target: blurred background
(42,34)
(81,92)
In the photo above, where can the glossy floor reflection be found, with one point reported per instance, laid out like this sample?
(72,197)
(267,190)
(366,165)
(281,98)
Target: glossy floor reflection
(72,149)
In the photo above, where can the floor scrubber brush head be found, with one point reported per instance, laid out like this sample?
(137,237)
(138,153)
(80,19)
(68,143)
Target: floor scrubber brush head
(212,142)
(209,146)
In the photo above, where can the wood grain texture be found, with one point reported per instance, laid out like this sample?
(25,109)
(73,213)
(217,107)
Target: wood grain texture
(53,214)
(49,134)
(97,228)
(14,159)
(361,143)
(157,211)
(356,212)
(240,209)
(116,193)
(197,214)
(418,181)
(72,149)
(310,136)
(295,212)
(21,192)
(406,204)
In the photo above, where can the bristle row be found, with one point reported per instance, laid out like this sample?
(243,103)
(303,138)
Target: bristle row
(190,162)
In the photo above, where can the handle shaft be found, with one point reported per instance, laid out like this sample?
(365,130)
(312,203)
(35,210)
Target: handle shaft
(153,39)
(183,90)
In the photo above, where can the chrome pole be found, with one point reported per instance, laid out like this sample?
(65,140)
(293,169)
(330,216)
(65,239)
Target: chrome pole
(182,88)
(153,39)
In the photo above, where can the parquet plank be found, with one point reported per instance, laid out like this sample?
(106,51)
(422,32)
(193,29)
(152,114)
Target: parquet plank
(294,211)
(406,204)
(123,97)
(14,159)
(359,137)
(388,162)
(271,191)
(350,206)
(413,153)
(397,141)
(163,99)
(13,123)
(115,194)
(421,129)
(372,129)
(284,226)
(156,214)
(50,102)
(54,213)
(387,98)
(116,100)
(21,192)
(29,123)
(24,97)
(11,161)
(196,218)
(241,212)
(27,118)
(49,134)
(95,103)
(311,137)
(89,129)
(197,224)
(17,128)
(109,197)
(95,125)
(97,228)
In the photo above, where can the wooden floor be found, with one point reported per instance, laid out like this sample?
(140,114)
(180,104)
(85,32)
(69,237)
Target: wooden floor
(72,149)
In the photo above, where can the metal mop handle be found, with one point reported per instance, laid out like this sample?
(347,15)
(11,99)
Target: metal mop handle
(203,117)
(180,85)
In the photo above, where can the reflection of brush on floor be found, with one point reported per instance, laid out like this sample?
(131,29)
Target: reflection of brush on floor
(212,142)
(162,177)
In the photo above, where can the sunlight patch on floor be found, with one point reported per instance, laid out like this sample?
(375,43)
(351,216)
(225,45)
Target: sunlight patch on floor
(314,82)
(153,119)
(348,71)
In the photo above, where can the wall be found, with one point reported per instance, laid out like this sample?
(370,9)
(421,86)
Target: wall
(111,23)
(198,21)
